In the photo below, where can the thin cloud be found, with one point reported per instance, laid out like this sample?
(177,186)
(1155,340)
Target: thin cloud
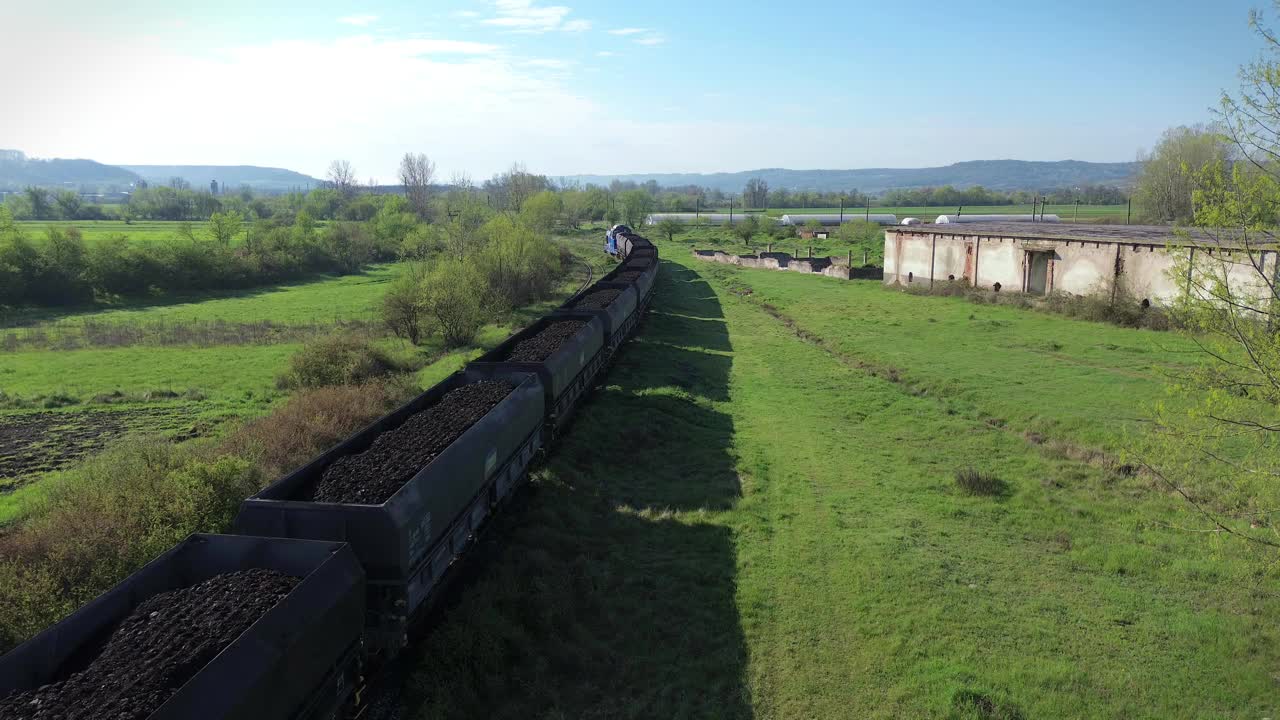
(417,47)
(526,16)
(627,31)
(653,39)
(358,20)
(466,14)
(549,63)
(605,53)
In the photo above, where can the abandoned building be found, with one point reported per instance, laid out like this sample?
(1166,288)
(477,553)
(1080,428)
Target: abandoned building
(1074,258)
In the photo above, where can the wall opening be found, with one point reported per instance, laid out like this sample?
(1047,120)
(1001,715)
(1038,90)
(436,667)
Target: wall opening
(1038,272)
(910,276)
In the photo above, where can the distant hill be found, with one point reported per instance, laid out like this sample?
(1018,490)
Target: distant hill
(991,174)
(231,177)
(18,171)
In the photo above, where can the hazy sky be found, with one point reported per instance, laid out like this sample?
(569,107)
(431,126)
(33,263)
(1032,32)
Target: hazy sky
(596,87)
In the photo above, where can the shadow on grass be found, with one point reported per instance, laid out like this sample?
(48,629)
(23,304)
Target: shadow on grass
(604,591)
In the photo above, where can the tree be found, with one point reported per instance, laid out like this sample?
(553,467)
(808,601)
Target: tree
(416,174)
(342,177)
(1167,179)
(635,207)
(756,194)
(510,189)
(69,205)
(1223,455)
(38,199)
(394,223)
(224,227)
(867,238)
(348,245)
(575,207)
(669,227)
(542,211)
(466,218)
(404,307)
(746,229)
(454,297)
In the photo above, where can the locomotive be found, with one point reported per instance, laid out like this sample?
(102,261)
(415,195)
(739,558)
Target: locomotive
(367,571)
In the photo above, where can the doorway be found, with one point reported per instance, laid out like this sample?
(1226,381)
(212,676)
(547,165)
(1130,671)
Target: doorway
(1038,272)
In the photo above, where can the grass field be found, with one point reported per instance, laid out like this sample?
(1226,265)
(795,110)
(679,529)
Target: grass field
(93,230)
(744,522)
(719,238)
(186,365)
(1066,212)
(323,298)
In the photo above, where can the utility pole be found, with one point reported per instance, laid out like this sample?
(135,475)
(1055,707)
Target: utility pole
(841,209)
(1076,214)
(697,208)
(1129,214)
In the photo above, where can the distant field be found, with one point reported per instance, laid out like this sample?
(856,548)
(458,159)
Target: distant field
(323,298)
(96,229)
(719,238)
(1066,212)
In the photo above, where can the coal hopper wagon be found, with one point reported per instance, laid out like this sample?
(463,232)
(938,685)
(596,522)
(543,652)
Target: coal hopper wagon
(349,551)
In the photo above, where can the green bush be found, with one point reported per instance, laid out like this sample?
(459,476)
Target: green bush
(404,308)
(518,264)
(103,520)
(456,299)
(338,360)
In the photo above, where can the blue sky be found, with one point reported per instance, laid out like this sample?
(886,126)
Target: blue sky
(595,87)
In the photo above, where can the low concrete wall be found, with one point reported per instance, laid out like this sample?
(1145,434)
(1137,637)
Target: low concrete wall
(836,267)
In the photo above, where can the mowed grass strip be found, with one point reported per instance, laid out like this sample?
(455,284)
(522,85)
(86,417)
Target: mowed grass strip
(1075,380)
(742,524)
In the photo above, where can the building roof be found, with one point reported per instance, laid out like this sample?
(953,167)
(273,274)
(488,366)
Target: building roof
(1089,232)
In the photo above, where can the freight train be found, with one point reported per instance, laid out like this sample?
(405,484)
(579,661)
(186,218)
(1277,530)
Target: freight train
(370,531)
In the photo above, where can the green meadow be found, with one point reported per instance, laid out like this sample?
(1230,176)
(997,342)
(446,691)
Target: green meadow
(94,230)
(1067,213)
(758,516)
(186,365)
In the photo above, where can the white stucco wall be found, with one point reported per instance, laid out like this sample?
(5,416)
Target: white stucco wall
(1084,268)
(999,261)
(1078,267)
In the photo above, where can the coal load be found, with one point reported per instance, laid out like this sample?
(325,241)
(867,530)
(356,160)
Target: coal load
(373,476)
(597,300)
(154,652)
(540,347)
(630,276)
